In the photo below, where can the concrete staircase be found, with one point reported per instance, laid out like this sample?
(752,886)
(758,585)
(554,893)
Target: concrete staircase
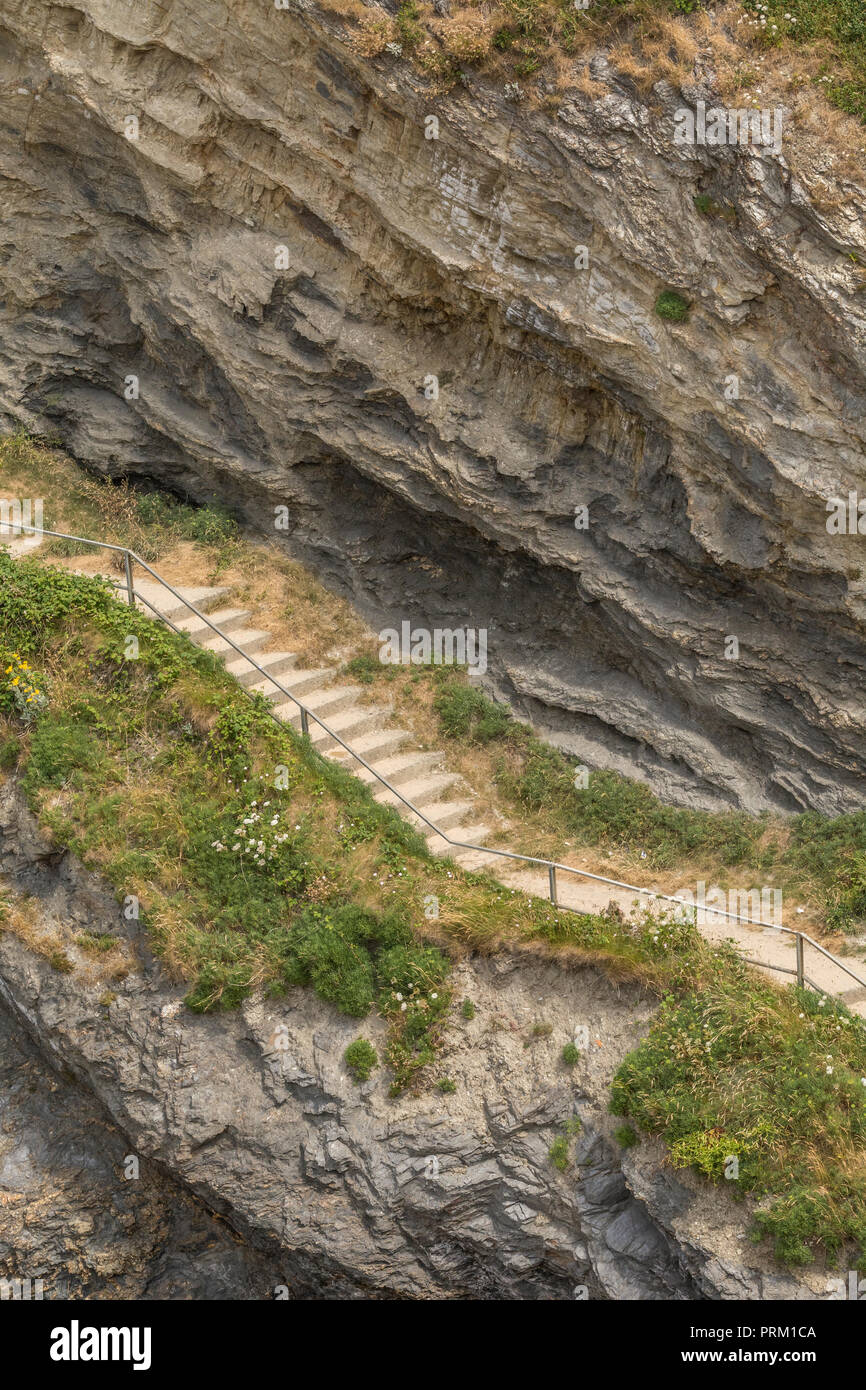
(421,777)
(442,796)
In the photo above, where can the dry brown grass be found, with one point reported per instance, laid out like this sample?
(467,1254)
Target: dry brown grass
(468,36)
(300,613)
(375,31)
(644,45)
(22,915)
(25,917)
(661,48)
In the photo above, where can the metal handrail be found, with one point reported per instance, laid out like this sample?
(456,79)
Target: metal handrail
(553,866)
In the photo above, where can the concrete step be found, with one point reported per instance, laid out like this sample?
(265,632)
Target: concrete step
(404,767)
(250,640)
(423,791)
(474,861)
(228,619)
(382,743)
(303,683)
(466,858)
(273,663)
(169,606)
(357,720)
(448,815)
(324,703)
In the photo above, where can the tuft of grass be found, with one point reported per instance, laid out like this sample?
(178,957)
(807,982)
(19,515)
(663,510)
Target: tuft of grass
(366,668)
(558,1154)
(570,1055)
(95,945)
(361,1058)
(625,1136)
(9,750)
(672,307)
(708,207)
(466,713)
(467,1009)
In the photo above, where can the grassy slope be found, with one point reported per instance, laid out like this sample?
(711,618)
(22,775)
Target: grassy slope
(775,1080)
(145,767)
(808,42)
(813,854)
(618,826)
(159,772)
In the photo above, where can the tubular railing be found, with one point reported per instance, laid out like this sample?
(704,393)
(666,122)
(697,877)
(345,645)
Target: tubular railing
(553,867)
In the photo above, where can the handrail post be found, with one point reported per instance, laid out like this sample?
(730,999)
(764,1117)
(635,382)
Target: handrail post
(800,971)
(305,723)
(130,591)
(551,874)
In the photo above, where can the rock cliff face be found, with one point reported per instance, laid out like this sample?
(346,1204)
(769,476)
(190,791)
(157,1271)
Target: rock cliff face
(335,1190)
(70,1216)
(297,377)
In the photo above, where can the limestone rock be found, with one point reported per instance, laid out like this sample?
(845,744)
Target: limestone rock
(297,376)
(339,1191)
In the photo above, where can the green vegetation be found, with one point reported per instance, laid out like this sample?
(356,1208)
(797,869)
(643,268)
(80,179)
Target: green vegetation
(570,1055)
(257,862)
(835,27)
(672,306)
(560,1150)
(465,713)
(141,765)
(764,1090)
(813,853)
(522,38)
(446,1086)
(361,1058)
(144,521)
(9,749)
(95,945)
(411,33)
(833,851)
(625,1136)
(538,1030)
(708,207)
(558,1153)
(366,668)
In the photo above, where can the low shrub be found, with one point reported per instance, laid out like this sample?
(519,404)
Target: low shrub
(671,306)
(361,1058)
